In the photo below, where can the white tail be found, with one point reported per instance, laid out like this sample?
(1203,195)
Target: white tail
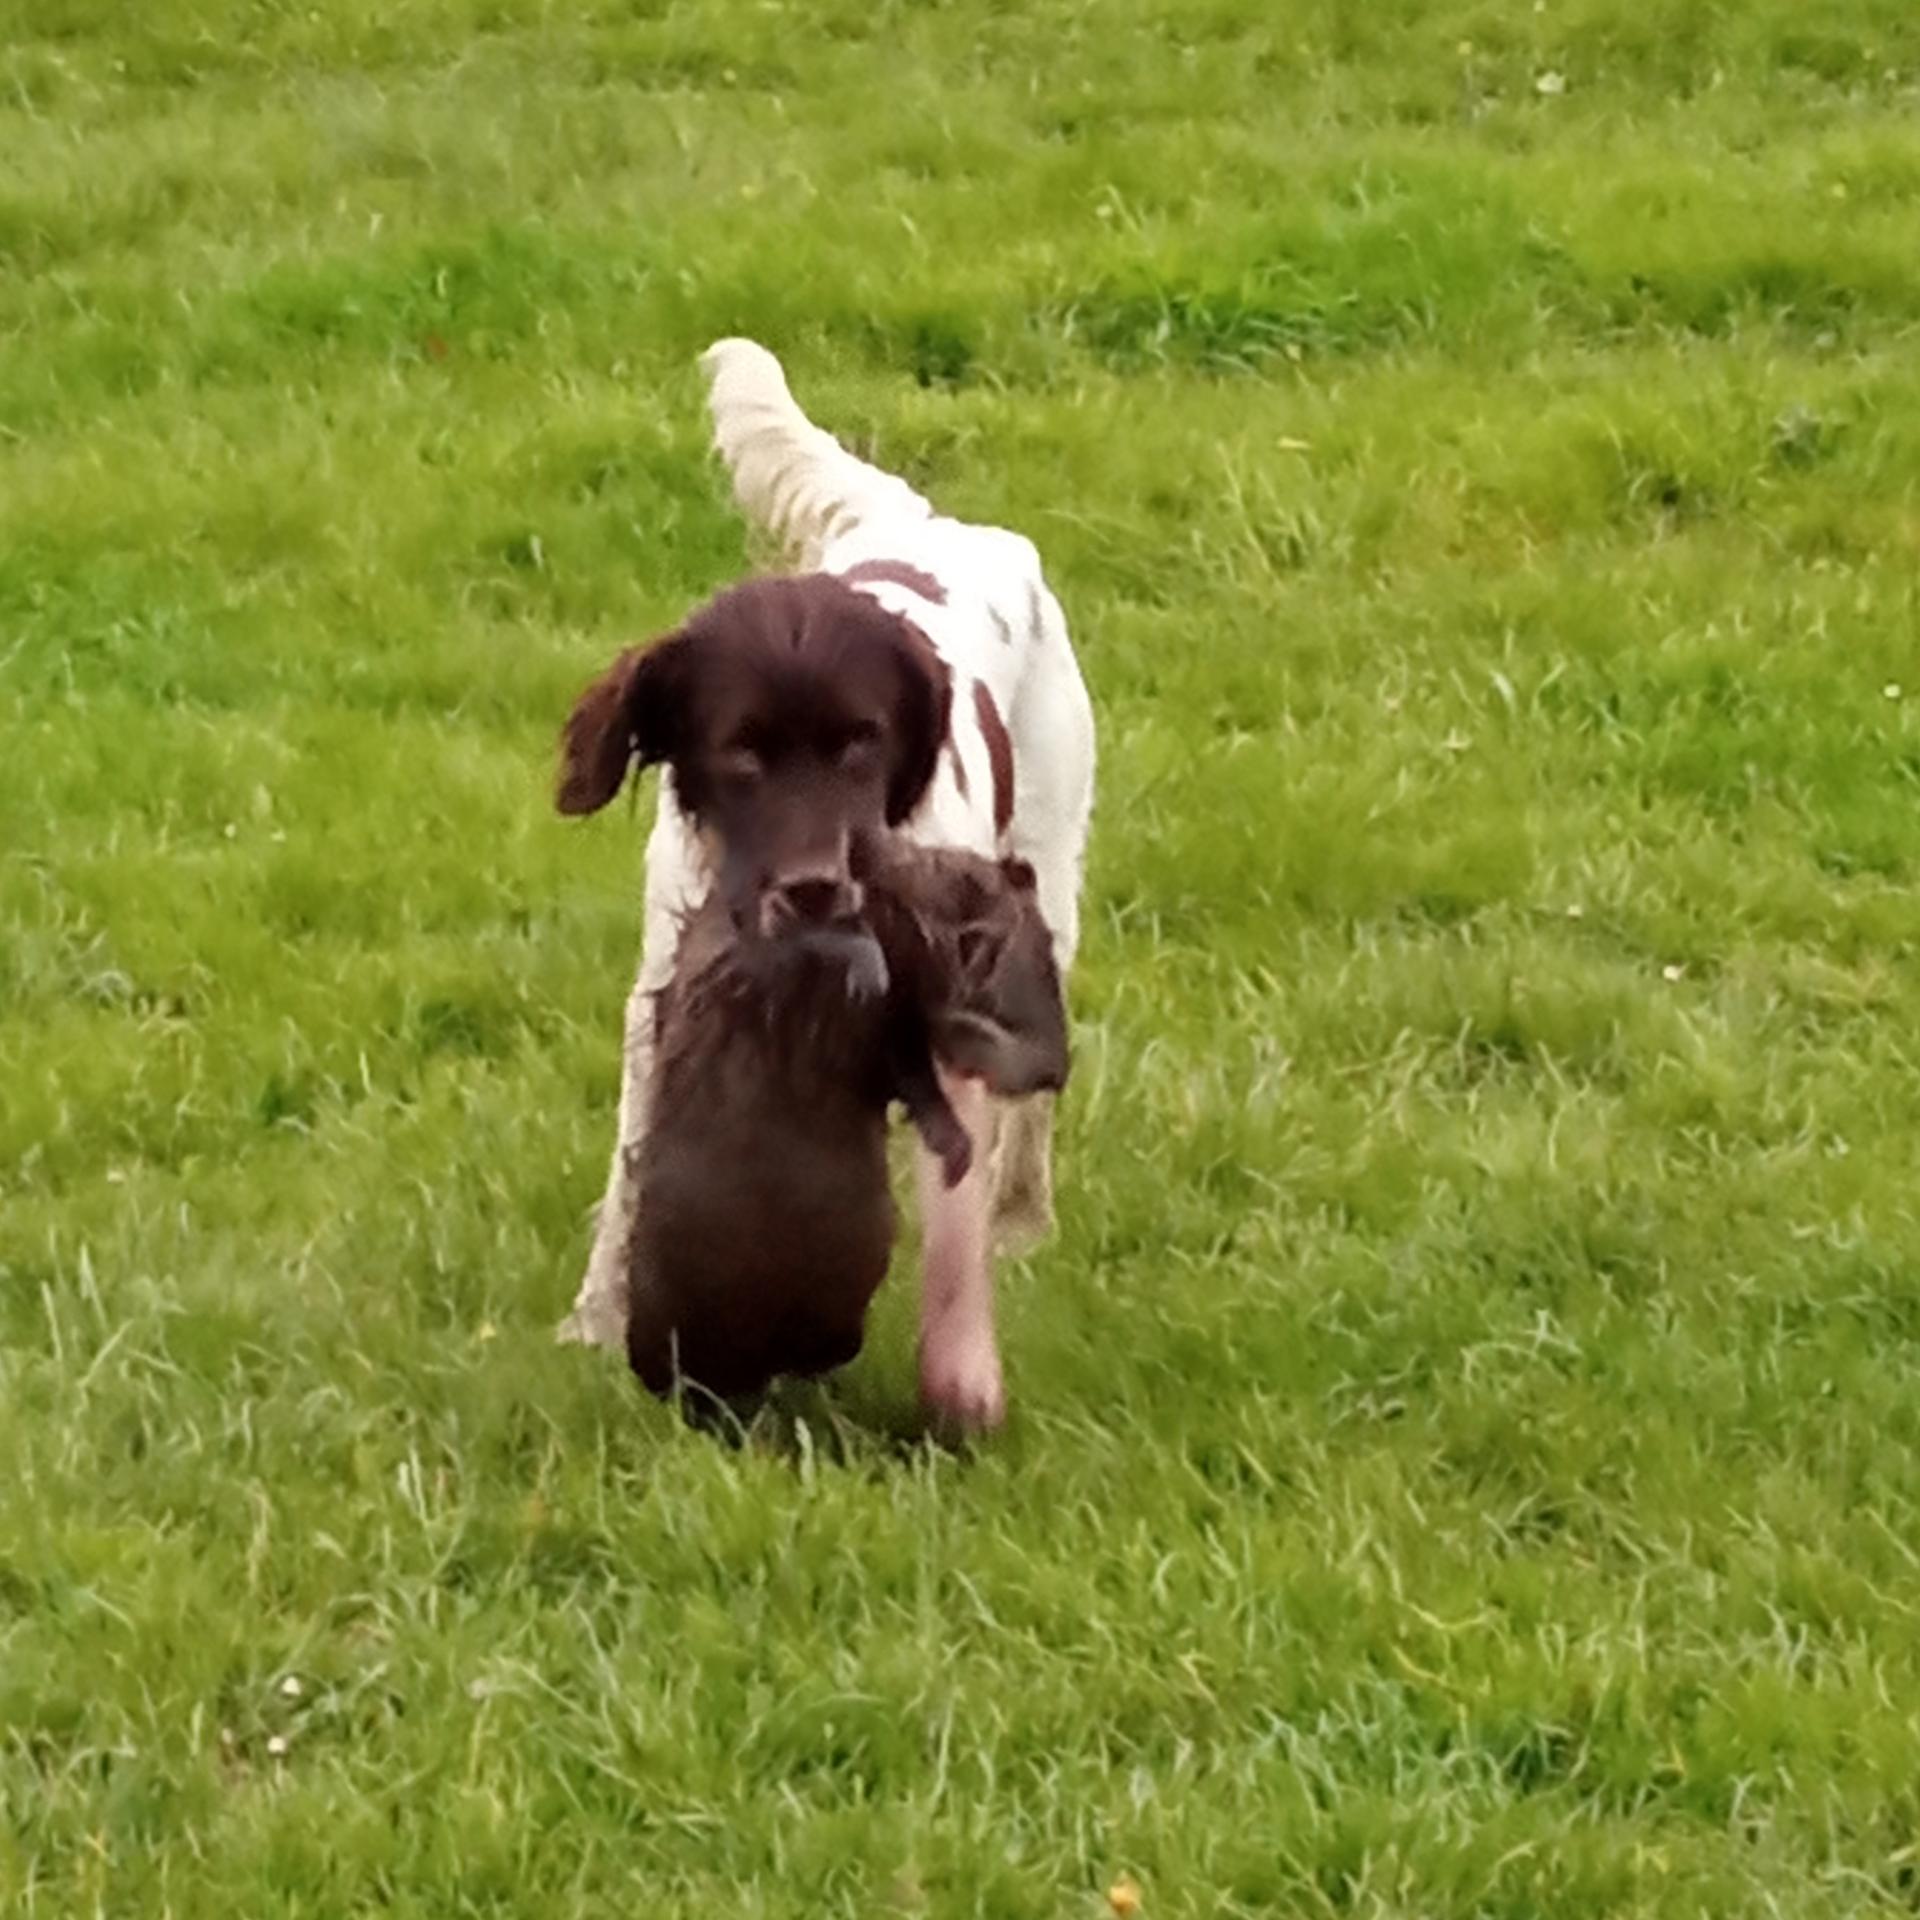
(792,479)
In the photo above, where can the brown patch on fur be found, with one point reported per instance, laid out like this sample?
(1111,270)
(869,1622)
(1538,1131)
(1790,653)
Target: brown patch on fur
(999,754)
(898,573)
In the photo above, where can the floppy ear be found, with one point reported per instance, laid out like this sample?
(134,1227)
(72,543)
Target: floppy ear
(634,713)
(922,709)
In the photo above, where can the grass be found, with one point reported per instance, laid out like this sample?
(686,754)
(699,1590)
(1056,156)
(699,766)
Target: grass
(1467,1426)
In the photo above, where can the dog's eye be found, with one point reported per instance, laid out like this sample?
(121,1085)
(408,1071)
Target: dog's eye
(975,947)
(860,749)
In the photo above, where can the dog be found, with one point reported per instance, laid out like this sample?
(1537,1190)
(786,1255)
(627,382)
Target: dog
(765,1222)
(917,674)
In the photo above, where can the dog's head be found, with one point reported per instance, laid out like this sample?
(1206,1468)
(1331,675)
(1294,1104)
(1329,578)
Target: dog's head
(796,716)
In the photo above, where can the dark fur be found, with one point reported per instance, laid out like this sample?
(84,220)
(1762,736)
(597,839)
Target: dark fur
(900,573)
(797,715)
(993,730)
(765,1217)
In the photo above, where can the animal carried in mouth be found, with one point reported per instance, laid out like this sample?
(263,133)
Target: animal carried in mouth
(765,1221)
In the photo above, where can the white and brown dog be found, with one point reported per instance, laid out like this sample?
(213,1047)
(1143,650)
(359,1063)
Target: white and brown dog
(917,673)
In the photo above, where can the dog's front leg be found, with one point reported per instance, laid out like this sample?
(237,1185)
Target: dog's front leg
(960,1384)
(1023,1174)
(599,1316)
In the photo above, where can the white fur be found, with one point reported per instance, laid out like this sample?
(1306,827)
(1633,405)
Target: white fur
(999,626)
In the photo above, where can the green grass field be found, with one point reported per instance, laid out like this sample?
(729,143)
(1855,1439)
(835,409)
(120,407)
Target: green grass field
(1467,1431)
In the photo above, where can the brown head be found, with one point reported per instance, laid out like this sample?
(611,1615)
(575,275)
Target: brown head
(992,1001)
(797,715)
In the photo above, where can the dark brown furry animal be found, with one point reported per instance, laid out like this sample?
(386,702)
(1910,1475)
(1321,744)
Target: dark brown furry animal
(765,1221)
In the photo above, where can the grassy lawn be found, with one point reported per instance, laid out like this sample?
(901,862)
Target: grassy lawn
(1466,1448)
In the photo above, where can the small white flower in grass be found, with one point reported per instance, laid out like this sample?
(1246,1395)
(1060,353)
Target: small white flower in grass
(1576,912)
(277,1746)
(1891,690)
(290,1687)
(1673,970)
(1551,85)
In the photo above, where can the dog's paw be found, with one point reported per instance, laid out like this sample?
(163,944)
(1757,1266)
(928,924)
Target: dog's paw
(961,1389)
(597,1320)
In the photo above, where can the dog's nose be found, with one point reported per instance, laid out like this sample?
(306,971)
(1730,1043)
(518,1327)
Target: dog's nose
(818,900)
